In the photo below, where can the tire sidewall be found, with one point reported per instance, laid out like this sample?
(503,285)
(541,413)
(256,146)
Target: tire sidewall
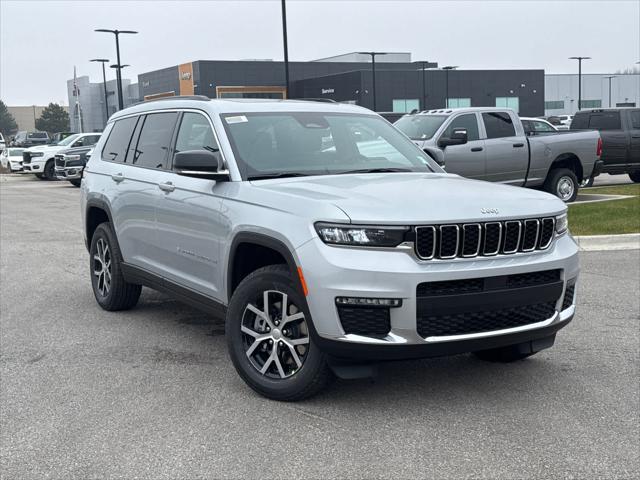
(49,170)
(104,232)
(557,176)
(270,279)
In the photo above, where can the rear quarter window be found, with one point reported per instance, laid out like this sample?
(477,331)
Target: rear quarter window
(115,148)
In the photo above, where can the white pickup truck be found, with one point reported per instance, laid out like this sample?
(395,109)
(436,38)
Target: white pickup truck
(491,144)
(40,159)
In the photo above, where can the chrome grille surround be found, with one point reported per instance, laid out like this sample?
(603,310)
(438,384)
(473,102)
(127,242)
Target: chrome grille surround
(469,240)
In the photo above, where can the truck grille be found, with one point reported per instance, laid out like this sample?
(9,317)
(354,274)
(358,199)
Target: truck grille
(26,157)
(484,239)
(59,160)
(457,307)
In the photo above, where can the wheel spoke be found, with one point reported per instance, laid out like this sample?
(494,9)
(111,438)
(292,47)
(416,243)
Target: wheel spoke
(298,341)
(279,365)
(267,363)
(253,346)
(294,354)
(292,318)
(248,331)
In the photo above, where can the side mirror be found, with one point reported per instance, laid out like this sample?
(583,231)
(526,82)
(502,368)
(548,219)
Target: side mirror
(458,137)
(200,164)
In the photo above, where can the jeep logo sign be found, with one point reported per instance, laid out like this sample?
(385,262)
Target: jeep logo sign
(185,76)
(489,211)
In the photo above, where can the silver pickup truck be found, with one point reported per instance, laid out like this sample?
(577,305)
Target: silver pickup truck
(490,144)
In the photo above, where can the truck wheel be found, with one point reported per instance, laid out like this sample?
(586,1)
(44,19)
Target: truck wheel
(269,338)
(50,170)
(513,353)
(587,182)
(40,176)
(635,176)
(75,183)
(109,287)
(562,183)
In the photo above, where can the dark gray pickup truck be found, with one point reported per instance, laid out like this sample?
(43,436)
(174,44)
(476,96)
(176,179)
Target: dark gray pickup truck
(70,163)
(620,132)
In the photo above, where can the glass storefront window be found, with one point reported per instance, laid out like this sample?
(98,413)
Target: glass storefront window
(509,102)
(458,102)
(406,105)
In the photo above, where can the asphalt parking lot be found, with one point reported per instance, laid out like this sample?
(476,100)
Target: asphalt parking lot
(151,392)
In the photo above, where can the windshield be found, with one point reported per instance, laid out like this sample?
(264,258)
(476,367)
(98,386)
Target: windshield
(15,152)
(69,140)
(306,143)
(37,135)
(420,127)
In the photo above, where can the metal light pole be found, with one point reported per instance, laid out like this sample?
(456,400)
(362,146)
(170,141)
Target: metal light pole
(446,95)
(104,84)
(579,78)
(118,69)
(610,77)
(119,66)
(373,73)
(286,47)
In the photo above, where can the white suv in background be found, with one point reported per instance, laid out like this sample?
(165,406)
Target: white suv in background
(40,159)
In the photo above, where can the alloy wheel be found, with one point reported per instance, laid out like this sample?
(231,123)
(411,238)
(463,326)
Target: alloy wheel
(565,188)
(275,335)
(102,267)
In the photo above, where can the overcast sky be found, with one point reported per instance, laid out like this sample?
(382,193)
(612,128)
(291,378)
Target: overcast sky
(41,41)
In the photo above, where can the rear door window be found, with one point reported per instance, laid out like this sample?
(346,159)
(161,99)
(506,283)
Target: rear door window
(634,115)
(152,149)
(115,148)
(498,125)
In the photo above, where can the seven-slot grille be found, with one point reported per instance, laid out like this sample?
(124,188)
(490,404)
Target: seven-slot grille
(486,239)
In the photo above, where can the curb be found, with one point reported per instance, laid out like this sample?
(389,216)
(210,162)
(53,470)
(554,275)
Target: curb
(594,243)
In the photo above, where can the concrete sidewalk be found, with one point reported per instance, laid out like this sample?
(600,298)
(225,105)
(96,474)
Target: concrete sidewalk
(593,243)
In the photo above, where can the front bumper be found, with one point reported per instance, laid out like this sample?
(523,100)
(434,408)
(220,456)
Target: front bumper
(36,165)
(332,272)
(69,173)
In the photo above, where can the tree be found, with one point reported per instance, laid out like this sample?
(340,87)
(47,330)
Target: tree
(8,124)
(53,119)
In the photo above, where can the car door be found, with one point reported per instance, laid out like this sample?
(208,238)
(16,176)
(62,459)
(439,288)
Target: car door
(469,159)
(188,215)
(506,149)
(633,120)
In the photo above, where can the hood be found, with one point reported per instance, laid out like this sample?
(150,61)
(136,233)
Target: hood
(44,148)
(417,198)
(75,150)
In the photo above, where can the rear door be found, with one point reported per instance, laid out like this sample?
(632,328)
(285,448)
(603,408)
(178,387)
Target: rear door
(633,122)
(506,147)
(469,159)
(615,141)
(189,222)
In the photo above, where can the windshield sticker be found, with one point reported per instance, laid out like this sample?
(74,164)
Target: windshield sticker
(236,119)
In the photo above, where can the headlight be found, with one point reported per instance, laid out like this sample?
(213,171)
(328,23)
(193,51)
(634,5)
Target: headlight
(72,157)
(359,235)
(562,224)
(37,154)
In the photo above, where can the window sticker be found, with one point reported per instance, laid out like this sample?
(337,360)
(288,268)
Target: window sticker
(236,119)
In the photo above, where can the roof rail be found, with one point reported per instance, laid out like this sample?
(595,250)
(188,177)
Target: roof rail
(200,98)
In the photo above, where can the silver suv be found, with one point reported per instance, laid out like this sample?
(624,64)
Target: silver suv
(328,239)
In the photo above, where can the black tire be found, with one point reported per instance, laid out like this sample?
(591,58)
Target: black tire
(635,176)
(75,183)
(50,170)
(586,183)
(40,176)
(119,295)
(562,183)
(513,353)
(308,379)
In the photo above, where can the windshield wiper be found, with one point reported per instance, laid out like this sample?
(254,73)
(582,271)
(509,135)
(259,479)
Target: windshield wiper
(265,176)
(378,170)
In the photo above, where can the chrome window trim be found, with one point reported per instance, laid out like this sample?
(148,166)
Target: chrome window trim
(433,250)
(535,243)
(506,230)
(455,253)
(499,238)
(464,232)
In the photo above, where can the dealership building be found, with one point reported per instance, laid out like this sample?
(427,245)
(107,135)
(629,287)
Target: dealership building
(401,85)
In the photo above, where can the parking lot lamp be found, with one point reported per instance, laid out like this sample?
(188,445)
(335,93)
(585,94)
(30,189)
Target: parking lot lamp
(446,81)
(424,88)
(118,69)
(104,84)
(118,73)
(373,73)
(610,77)
(579,78)
(286,47)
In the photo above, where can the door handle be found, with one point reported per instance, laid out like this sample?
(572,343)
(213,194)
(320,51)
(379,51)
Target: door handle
(167,187)
(518,145)
(476,149)
(117,177)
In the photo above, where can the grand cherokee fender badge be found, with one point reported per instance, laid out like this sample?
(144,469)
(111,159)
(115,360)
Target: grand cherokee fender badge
(489,211)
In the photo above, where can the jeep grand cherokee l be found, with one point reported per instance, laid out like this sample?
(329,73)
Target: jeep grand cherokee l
(326,237)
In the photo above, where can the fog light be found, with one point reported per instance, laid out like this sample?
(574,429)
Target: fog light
(369,302)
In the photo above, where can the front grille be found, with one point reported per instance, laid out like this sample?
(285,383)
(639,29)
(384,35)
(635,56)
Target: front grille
(369,322)
(59,161)
(567,301)
(484,320)
(475,305)
(26,157)
(485,239)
